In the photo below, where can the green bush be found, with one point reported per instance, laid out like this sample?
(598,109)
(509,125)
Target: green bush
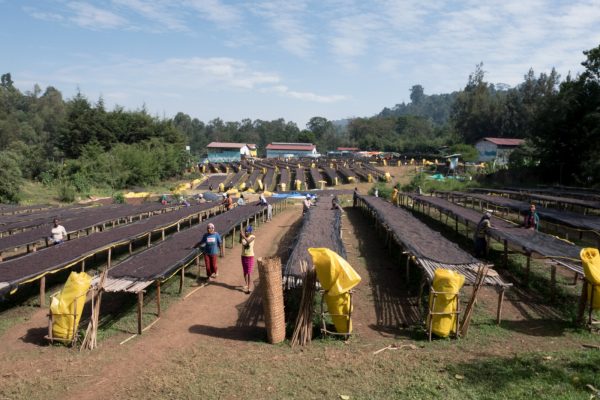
(80,183)
(66,192)
(384,190)
(10,178)
(118,198)
(429,185)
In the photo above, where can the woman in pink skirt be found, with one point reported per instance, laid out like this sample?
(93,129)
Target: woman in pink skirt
(247,239)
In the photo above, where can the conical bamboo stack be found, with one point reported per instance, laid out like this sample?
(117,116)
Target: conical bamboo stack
(272,294)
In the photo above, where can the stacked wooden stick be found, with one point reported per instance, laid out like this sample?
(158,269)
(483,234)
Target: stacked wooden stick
(91,334)
(304,324)
(479,279)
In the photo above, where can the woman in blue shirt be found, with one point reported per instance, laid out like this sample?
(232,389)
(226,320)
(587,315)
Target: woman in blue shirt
(211,244)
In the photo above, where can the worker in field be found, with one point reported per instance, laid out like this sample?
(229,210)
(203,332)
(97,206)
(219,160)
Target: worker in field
(481,233)
(58,233)
(335,203)
(532,219)
(241,201)
(262,200)
(227,202)
(211,245)
(247,239)
(306,204)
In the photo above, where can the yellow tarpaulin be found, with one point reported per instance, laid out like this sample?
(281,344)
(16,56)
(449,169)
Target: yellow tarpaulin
(65,310)
(449,282)
(337,277)
(131,195)
(591,268)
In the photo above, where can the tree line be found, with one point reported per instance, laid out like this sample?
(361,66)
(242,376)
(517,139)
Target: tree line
(75,144)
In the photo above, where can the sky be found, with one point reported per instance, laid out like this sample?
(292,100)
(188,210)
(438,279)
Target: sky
(292,59)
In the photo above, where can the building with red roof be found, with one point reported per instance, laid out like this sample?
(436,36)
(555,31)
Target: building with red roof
(497,149)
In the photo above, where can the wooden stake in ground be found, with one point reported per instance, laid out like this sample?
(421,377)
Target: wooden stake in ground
(270,277)
(304,324)
(89,341)
(479,279)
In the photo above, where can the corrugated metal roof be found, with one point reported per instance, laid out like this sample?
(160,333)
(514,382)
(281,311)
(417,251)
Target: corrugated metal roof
(348,149)
(225,145)
(505,141)
(291,146)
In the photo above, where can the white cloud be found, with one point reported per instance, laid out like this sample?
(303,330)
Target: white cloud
(89,16)
(42,15)
(306,96)
(156,11)
(215,11)
(353,33)
(285,18)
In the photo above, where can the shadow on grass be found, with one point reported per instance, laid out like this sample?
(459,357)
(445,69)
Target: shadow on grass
(244,334)
(538,327)
(561,375)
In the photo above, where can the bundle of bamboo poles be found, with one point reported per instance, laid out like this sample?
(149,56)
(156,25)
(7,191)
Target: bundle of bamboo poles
(479,279)
(91,334)
(304,324)
(272,295)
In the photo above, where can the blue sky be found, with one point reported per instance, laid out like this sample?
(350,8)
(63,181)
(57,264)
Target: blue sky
(284,59)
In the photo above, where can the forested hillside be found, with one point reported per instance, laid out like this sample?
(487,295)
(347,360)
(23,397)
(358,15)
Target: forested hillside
(75,144)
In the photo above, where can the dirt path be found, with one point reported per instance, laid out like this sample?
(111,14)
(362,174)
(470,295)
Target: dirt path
(220,312)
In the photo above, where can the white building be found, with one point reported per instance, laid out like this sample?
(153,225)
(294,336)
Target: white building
(497,149)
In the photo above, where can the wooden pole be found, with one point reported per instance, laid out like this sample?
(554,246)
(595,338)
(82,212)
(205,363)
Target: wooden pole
(109,256)
(158,297)
(43,291)
(181,280)
(500,303)
(140,305)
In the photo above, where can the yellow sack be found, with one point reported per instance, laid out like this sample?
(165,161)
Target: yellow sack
(62,306)
(242,186)
(221,187)
(590,258)
(298,184)
(337,277)
(450,282)
(260,184)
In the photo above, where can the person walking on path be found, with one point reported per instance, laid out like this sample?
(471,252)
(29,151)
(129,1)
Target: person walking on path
(355,197)
(211,244)
(247,239)
(532,219)
(58,233)
(480,234)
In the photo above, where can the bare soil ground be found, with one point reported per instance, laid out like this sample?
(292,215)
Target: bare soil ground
(212,344)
